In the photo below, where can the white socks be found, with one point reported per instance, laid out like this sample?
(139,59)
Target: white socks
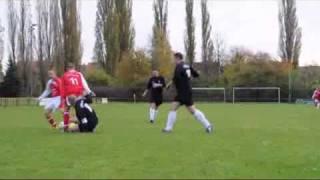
(153,114)
(172,116)
(201,118)
(198,115)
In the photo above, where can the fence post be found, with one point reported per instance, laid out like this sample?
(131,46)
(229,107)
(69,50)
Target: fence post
(279,95)
(233,95)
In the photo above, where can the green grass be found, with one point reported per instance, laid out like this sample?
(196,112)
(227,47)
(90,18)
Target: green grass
(251,141)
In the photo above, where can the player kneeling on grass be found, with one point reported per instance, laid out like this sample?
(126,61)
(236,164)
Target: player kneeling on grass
(51,97)
(87,119)
(182,76)
(155,87)
(316,98)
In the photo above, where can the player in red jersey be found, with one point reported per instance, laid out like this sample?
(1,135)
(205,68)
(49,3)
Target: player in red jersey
(316,97)
(51,97)
(73,83)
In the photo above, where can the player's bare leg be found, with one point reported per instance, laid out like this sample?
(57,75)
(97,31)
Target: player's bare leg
(172,117)
(50,119)
(200,117)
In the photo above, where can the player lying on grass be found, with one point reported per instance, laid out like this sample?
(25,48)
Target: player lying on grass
(87,119)
(155,88)
(182,77)
(316,98)
(51,97)
(73,83)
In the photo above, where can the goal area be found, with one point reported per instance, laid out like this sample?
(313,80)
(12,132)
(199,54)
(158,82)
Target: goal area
(214,94)
(256,94)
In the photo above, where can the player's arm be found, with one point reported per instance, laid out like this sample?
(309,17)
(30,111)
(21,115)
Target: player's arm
(62,93)
(314,95)
(63,87)
(169,84)
(46,92)
(145,92)
(164,83)
(194,73)
(85,85)
(149,86)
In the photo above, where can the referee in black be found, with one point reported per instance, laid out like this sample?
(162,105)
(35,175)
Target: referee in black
(182,81)
(155,88)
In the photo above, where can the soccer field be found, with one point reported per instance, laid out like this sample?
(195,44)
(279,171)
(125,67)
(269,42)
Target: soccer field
(250,141)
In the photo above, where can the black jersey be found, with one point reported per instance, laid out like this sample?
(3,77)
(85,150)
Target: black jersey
(156,85)
(87,117)
(182,79)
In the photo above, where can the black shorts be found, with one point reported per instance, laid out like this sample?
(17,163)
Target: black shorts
(184,100)
(88,127)
(156,99)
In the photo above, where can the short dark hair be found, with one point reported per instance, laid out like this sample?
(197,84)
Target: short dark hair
(70,65)
(178,55)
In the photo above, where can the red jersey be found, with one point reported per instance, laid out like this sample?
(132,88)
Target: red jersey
(72,83)
(316,94)
(55,87)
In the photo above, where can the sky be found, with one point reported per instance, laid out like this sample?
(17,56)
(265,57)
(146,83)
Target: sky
(252,24)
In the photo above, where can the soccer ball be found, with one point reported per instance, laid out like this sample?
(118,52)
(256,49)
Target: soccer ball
(73,127)
(61,126)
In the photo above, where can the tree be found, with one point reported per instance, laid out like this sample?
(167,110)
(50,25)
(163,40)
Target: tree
(290,33)
(12,16)
(126,28)
(189,42)
(254,69)
(10,86)
(97,77)
(134,68)
(25,36)
(219,52)
(290,37)
(161,49)
(99,47)
(114,32)
(207,43)
(71,29)
(57,37)
(1,50)
(44,38)
(112,41)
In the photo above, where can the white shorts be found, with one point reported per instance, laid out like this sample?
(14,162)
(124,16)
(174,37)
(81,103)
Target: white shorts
(51,104)
(316,101)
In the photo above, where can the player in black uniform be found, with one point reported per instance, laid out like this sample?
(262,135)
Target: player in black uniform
(182,77)
(155,87)
(87,118)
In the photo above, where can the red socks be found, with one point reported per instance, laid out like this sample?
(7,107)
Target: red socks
(66,118)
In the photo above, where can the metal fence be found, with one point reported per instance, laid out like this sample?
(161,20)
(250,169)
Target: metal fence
(105,95)
(21,101)
(29,101)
